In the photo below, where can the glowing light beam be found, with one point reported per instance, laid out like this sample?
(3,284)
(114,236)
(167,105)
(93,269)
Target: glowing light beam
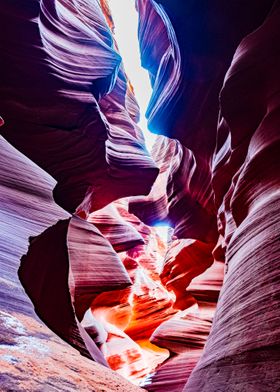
(125,19)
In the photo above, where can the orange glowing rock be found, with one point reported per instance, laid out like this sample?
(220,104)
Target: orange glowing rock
(184,260)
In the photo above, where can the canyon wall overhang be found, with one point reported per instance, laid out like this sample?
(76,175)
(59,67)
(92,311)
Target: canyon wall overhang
(231,174)
(71,148)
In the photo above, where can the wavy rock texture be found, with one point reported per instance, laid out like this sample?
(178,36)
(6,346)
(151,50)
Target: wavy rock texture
(245,338)
(184,260)
(121,235)
(85,265)
(65,49)
(185,334)
(27,346)
(63,97)
(173,372)
(230,175)
(146,311)
(190,115)
(130,316)
(197,31)
(181,195)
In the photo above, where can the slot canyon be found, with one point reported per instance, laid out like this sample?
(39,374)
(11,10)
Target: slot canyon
(139,215)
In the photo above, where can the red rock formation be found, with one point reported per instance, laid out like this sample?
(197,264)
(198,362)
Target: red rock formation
(245,338)
(135,312)
(27,346)
(68,106)
(185,259)
(199,72)
(67,45)
(61,126)
(65,49)
(121,235)
(185,334)
(242,185)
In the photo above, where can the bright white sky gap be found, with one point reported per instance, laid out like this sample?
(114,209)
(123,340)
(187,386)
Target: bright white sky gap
(125,19)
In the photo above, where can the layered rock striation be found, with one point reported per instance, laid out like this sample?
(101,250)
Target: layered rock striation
(63,97)
(61,62)
(27,346)
(232,176)
(80,192)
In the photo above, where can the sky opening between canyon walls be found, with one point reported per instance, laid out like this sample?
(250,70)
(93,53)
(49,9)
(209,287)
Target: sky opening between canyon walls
(92,298)
(125,18)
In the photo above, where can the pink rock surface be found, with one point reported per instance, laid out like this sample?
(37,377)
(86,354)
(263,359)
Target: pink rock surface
(244,341)
(65,49)
(130,316)
(74,103)
(67,105)
(185,333)
(27,346)
(235,172)
(184,260)
(121,235)
(172,374)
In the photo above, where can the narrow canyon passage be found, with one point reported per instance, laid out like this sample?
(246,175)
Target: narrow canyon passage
(139,196)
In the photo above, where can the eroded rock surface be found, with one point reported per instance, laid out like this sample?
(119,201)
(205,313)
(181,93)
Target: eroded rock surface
(231,175)
(32,358)
(81,241)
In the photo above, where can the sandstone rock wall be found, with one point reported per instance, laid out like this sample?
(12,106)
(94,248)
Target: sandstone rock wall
(97,275)
(233,175)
